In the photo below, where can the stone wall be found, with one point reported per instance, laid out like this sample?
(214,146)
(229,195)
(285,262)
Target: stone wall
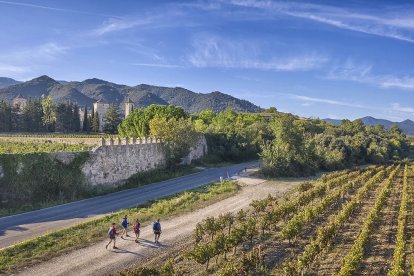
(114,164)
(197,152)
(116,160)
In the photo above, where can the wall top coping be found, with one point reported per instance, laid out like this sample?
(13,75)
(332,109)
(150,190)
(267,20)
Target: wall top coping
(128,141)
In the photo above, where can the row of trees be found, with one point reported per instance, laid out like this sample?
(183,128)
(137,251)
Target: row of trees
(301,147)
(43,115)
(287,144)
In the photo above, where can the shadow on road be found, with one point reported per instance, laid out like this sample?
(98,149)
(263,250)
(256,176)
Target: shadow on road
(123,251)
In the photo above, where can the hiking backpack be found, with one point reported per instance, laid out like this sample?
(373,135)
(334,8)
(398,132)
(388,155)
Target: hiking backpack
(110,232)
(156,226)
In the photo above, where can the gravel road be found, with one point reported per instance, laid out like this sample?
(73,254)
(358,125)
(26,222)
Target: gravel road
(96,260)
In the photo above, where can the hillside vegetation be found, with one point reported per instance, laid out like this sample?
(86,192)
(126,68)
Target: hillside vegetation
(86,92)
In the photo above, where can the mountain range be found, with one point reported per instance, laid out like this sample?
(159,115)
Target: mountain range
(86,92)
(406,126)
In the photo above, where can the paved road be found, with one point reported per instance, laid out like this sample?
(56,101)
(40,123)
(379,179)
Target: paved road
(23,226)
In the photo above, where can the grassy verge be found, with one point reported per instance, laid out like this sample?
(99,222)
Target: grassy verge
(137,180)
(156,175)
(84,234)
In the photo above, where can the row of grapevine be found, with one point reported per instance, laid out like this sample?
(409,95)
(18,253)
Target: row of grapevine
(355,255)
(310,213)
(59,135)
(326,233)
(397,267)
(319,189)
(210,235)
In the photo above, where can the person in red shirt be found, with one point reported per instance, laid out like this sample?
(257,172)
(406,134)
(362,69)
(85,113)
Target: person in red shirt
(112,233)
(137,230)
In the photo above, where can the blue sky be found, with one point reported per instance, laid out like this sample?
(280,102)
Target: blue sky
(315,59)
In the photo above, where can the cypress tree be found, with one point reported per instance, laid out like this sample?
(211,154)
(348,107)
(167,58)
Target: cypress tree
(112,120)
(85,125)
(95,122)
(76,118)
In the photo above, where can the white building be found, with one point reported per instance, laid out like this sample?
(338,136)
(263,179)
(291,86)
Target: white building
(129,107)
(101,107)
(19,102)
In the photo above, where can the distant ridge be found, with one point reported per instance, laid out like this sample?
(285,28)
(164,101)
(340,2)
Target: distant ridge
(5,82)
(91,90)
(406,126)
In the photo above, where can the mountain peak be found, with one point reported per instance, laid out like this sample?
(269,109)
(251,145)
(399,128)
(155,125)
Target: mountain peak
(94,81)
(43,79)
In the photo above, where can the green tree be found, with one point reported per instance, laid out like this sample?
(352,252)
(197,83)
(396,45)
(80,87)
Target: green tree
(137,124)
(76,118)
(95,122)
(49,114)
(5,117)
(112,120)
(32,116)
(177,137)
(85,123)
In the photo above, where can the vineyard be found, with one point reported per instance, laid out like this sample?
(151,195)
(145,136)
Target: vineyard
(354,222)
(12,147)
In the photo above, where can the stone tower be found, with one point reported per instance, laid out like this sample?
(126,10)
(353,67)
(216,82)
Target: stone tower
(129,107)
(101,107)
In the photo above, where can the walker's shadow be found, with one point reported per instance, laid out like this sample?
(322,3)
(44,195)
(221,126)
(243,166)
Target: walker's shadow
(18,228)
(123,251)
(151,244)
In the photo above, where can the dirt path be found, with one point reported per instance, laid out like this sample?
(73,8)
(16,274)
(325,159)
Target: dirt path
(330,261)
(95,260)
(380,248)
(409,249)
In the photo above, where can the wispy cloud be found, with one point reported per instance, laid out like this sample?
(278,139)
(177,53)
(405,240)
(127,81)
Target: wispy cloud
(44,52)
(21,62)
(211,51)
(29,5)
(11,70)
(310,100)
(120,24)
(363,73)
(405,109)
(158,65)
(394,23)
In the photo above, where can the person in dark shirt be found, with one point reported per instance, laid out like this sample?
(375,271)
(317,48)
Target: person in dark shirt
(156,227)
(124,227)
(112,233)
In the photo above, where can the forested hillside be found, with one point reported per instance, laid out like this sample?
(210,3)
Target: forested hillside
(91,90)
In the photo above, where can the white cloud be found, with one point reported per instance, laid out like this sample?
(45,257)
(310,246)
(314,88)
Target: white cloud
(363,73)
(28,5)
(23,62)
(210,51)
(115,25)
(310,100)
(399,108)
(158,65)
(9,70)
(41,53)
(394,23)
